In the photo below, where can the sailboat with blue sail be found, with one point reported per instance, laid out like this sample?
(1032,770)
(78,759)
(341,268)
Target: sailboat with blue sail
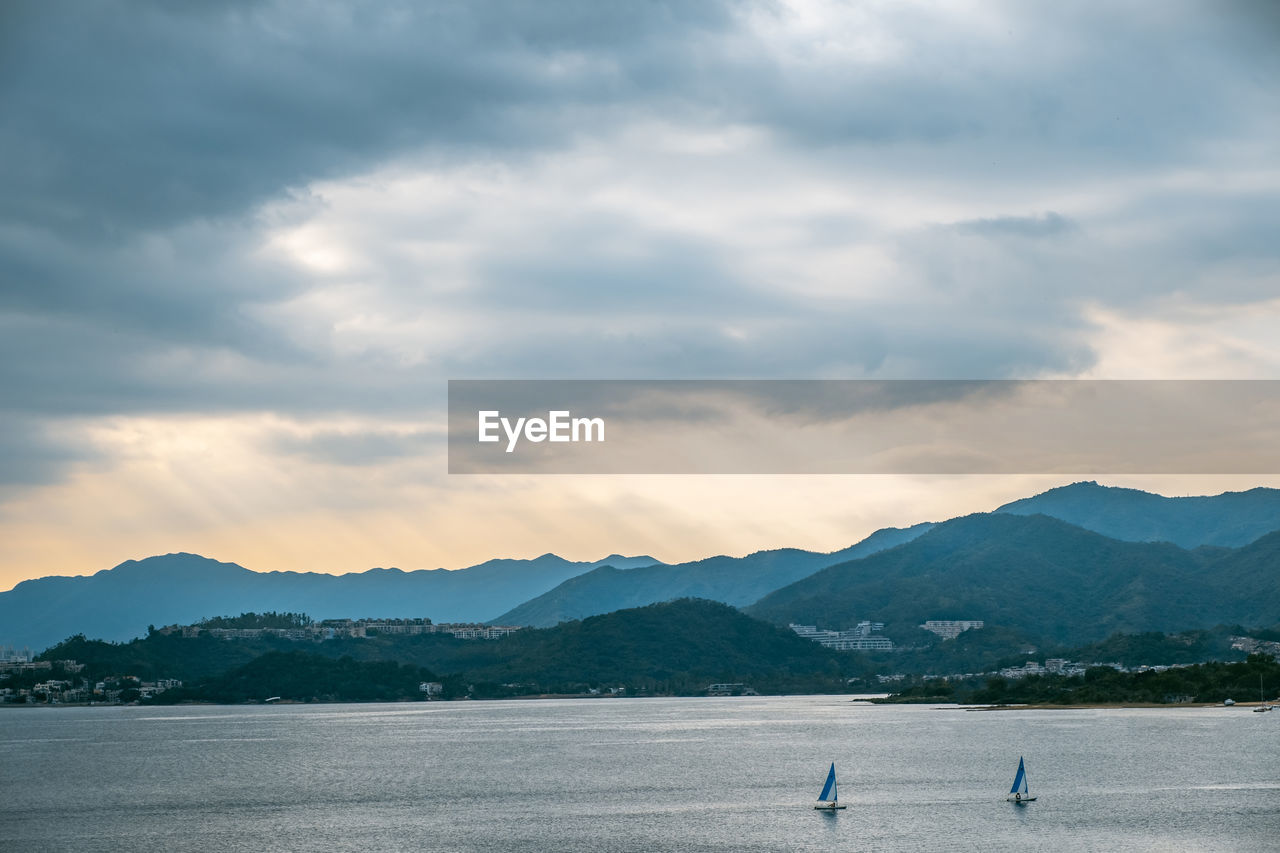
(828,800)
(1020,792)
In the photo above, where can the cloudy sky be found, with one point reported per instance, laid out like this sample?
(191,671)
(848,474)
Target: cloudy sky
(243,245)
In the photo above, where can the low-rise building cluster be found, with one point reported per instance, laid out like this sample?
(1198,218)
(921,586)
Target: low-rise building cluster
(24,666)
(1051,666)
(74,689)
(1249,646)
(9,655)
(332,629)
(1028,668)
(1061,666)
(734,689)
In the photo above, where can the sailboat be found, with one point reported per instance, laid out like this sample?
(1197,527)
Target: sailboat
(1019,793)
(827,800)
(1262,696)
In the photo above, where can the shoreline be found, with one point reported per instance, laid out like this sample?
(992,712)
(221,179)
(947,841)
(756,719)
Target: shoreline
(1094,706)
(1116,706)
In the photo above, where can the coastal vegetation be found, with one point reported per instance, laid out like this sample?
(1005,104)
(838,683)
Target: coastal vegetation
(675,648)
(1205,682)
(302,677)
(270,619)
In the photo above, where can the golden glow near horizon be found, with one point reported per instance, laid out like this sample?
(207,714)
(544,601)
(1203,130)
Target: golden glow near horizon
(272,514)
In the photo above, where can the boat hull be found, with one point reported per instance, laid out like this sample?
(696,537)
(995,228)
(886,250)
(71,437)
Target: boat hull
(829,807)
(1013,799)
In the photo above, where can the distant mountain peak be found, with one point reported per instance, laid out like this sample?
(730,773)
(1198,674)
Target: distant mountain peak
(1094,488)
(177,561)
(1231,519)
(617,559)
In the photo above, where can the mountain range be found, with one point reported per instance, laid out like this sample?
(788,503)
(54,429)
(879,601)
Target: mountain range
(1050,580)
(117,604)
(1228,520)
(738,581)
(1069,565)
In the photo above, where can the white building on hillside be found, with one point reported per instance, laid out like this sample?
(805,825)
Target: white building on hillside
(949,629)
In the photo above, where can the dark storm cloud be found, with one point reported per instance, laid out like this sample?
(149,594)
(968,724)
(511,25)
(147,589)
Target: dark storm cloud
(119,115)
(138,115)
(68,369)
(187,286)
(126,127)
(1071,89)
(30,455)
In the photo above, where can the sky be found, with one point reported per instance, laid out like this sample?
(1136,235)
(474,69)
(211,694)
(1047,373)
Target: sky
(244,245)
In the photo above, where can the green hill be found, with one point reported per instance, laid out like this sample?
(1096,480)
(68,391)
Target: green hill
(679,642)
(733,580)
(1245,583)
(302,677)
(673,647)
(1047,579)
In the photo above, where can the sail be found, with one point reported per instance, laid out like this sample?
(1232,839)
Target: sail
(1020,781)
(829,789)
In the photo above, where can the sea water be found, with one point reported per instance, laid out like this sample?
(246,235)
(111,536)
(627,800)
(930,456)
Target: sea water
(725,774)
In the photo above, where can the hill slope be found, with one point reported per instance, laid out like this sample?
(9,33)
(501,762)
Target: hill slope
(1231,519)
(1245,584)
(1042,576)
(732,580)
(119,603)
(687,639)
(678,646)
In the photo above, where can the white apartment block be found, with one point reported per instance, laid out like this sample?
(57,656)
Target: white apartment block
(949,629)
(857,640)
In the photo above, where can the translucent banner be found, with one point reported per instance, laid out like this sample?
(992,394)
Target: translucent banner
(864,426)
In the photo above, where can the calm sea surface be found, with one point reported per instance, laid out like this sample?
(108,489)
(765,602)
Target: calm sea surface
(634,774)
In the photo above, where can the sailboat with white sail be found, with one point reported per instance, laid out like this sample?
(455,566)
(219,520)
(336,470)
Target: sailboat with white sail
(828,800)
(1020,792)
